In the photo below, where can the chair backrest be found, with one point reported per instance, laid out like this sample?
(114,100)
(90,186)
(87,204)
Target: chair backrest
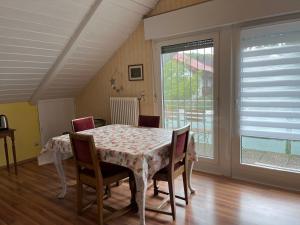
(85,154)
(84,123)
(179,145)
(149,121)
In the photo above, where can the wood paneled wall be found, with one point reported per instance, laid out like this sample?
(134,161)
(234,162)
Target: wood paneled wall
(94,99)
(164,6)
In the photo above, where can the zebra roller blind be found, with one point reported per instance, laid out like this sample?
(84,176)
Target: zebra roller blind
(207,43)
(270,81)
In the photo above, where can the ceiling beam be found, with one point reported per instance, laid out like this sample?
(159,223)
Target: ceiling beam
(68,50)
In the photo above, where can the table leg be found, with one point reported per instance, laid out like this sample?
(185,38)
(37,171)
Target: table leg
(141,188)
(61,174)
(14,153)
(189,176)
(6,153)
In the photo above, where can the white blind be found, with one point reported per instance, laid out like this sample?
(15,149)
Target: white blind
(270,81)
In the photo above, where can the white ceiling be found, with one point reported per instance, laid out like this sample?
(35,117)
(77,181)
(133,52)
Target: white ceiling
(52,48)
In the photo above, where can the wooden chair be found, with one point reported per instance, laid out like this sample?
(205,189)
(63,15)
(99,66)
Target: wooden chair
(96,174)
(177,166)
(149,121)
(84,123)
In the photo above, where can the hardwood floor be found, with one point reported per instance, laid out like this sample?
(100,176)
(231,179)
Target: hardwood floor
(30,199)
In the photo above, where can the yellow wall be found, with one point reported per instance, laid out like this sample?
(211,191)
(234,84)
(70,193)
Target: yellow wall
(24,118)
(94,100)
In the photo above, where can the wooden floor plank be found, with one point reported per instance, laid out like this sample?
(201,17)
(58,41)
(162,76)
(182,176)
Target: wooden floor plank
(30,199)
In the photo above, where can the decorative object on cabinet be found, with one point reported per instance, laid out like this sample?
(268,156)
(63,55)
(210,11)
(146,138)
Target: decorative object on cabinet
(3,122)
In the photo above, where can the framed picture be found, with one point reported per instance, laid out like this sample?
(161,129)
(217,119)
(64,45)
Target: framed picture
(135,72)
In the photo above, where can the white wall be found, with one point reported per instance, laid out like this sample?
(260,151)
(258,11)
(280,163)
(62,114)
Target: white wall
(55,117)
(216,13)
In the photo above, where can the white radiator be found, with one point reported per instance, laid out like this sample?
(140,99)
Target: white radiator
(124,110)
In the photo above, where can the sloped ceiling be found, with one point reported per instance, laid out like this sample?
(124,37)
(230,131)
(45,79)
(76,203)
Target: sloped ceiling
(51,49)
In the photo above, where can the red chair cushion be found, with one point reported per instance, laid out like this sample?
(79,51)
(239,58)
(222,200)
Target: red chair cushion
(82,151)
(83,124)
(149,121)
(180,144)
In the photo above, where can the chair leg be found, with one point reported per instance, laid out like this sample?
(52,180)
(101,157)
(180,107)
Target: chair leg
(108,191)
(100,205)
(172,197)
(184,178)
(79,197)
(155,187)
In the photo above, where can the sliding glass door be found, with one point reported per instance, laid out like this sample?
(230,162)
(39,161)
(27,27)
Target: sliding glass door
(269,101)
(188,90)
(253,133)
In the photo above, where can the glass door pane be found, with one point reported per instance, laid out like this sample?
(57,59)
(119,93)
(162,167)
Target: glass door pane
(187,75)
(270,96)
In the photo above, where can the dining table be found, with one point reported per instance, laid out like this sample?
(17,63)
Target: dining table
(144,150)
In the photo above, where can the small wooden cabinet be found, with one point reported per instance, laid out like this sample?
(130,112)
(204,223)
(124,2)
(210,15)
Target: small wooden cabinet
(9,133)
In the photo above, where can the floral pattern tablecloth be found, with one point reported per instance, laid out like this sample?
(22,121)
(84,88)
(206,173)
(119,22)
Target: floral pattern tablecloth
(128,146)
(143,150)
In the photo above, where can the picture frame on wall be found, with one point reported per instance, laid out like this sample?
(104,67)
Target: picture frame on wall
(135,72)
